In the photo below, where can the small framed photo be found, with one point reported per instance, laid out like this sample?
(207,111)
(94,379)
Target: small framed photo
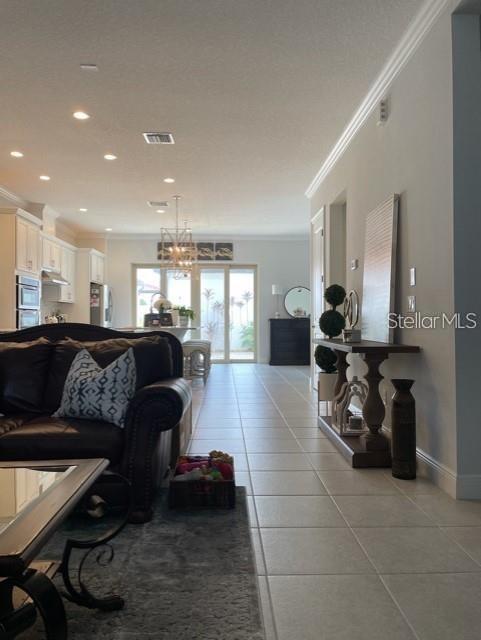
(224,251)
(205,251)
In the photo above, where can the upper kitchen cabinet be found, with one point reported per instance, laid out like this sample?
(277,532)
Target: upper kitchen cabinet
(27,243)
(68,271)
(51,255)
(97,267)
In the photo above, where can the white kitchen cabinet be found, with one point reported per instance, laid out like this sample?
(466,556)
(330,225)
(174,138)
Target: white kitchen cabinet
(67,291)
(27,241)
(97,268)
(51,255)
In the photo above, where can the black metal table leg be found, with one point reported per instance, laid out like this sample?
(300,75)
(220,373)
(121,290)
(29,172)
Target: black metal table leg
(80,593)
(45,599)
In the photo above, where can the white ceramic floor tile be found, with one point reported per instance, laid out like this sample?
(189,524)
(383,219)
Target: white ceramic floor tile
(227,445)
(308,433)
(328,461)
(468,537)
(263,423)
(313,551)
(336,607)
(413,550)
(256,434)
(218,423)
(258,553)
(440,606)
(242,479)
(297,511)
(353,482)
(317,445)
(418,486)
(251,510)
(272,445)
(266,609)
(446,511)
(284,483)
(203,433)
(278,462)
(381,511)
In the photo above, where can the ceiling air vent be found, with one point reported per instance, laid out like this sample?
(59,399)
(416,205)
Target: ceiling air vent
(158,204)
(159,138)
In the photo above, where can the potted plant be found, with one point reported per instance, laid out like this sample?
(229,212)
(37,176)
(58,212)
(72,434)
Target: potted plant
(326,361)
(185,315)
(332,322)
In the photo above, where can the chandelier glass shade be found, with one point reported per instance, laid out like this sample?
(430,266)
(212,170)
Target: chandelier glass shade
(176,248)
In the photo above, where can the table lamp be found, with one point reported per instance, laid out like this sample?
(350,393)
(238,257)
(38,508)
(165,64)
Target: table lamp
(277,291)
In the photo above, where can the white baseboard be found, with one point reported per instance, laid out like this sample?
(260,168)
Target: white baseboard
(441,475)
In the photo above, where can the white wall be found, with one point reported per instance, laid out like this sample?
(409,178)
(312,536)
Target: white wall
(412,154)
(279,260)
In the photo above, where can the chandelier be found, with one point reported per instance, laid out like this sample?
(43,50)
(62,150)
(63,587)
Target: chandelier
(176,249)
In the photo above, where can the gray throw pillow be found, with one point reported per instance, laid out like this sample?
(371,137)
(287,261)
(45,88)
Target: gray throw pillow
(98,394)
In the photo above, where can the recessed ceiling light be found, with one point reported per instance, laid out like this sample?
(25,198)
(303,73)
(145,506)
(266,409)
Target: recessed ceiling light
(160,210)
(45,178)
(169,180)
(110,156)
(16,154)
(88,66)
(108,228)
(80,115)
(83,210)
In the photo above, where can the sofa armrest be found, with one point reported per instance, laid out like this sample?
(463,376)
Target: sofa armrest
(156,408)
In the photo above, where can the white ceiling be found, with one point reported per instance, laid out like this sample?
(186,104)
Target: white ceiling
(256,93)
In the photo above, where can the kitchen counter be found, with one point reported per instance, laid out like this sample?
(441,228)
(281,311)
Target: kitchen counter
(179,332)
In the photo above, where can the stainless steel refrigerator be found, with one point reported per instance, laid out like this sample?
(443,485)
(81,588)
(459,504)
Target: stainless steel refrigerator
(100,305)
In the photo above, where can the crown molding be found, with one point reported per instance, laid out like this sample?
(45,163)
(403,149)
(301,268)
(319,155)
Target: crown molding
(413,36)
(12,197)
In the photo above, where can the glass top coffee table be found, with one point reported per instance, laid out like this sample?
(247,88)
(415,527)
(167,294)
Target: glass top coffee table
(35,499)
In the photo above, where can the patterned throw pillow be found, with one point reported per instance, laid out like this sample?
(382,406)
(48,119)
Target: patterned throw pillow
(99,394)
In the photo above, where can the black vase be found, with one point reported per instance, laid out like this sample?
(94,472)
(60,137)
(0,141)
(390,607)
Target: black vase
(403,430)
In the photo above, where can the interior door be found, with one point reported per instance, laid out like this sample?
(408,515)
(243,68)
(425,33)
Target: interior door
(317,281)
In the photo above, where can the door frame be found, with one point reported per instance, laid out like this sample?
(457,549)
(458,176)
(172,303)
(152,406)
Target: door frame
(317,273)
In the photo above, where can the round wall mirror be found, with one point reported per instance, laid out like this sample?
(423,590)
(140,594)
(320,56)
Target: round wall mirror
(297,302)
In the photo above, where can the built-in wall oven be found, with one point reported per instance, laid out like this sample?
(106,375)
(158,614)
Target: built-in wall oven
(28,302)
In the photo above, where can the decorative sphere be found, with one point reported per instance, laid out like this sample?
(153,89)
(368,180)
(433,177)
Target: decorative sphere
(325,359)
(335,295)
(332,323)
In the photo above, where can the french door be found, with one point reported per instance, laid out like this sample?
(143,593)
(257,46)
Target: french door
(226,297)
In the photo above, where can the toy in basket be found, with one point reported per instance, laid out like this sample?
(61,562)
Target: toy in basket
(203,481)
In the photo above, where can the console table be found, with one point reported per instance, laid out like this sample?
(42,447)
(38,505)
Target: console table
(290,341)
(372,449)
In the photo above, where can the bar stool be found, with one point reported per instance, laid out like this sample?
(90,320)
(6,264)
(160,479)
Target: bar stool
(197,358)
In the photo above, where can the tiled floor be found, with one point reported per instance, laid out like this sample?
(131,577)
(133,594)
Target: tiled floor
(340,553)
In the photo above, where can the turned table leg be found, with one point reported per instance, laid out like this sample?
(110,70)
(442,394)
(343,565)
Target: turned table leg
(342,366)
(373,410)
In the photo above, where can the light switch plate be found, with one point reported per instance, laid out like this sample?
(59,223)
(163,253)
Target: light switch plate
(354,264)
(412,276)
(411,303)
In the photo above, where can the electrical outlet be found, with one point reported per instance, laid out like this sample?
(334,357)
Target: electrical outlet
(354,264)
(411,303)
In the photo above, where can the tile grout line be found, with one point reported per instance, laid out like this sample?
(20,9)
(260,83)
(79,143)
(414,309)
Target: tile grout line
(259,539)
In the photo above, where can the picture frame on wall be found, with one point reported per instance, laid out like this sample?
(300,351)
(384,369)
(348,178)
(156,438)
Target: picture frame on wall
(224,251)
(205,251)
(163,250)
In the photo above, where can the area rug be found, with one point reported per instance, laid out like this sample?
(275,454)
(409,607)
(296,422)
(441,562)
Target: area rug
(184,575)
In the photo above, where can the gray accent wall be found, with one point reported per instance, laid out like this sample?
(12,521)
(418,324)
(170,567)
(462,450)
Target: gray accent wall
(467,238)
(412,155)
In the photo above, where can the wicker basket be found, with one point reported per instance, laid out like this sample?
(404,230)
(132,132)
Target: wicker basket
(196,494)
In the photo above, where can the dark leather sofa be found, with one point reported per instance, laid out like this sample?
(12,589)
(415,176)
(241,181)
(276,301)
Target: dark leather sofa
(158,417)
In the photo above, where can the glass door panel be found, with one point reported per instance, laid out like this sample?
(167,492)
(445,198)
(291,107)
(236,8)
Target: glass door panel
(212,310)
(178,289)
(242,330)
(147,284)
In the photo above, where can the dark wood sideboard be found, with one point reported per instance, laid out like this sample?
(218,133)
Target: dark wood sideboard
(290,341)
